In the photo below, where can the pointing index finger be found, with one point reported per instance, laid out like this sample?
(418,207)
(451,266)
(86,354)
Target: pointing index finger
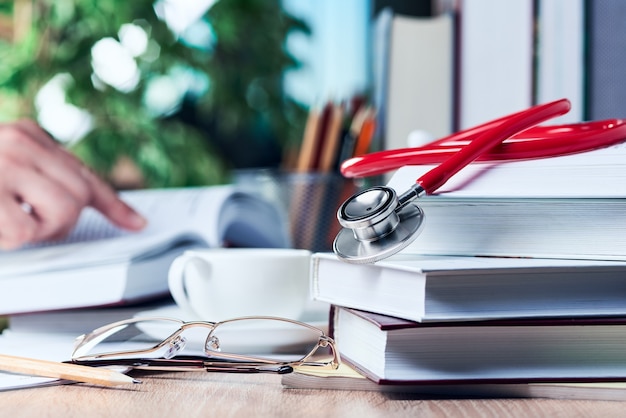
(105,200)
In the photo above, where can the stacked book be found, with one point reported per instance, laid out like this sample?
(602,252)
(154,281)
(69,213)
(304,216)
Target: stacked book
(518,278)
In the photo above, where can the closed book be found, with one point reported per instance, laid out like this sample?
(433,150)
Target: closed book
(419,76)
(606,37)
(560,55)
(563,207)
(101,265)
(395,351)
(447,288)
(495,59)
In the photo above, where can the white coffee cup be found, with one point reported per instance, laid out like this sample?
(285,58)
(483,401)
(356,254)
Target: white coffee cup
(224,283)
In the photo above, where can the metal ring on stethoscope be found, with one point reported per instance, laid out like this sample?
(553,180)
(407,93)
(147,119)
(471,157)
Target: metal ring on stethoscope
(376,224)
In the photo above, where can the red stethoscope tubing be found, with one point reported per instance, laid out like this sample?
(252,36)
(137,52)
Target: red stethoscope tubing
(489,138)
(532,143)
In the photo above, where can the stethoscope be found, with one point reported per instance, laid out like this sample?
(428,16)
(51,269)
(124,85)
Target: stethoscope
(378,223)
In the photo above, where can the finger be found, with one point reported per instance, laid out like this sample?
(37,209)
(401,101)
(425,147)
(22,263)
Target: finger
(62,164)
(105,200)
(34,131)
(25,143)
(30,142)
(102,197)
(89,190)
(17,227)
(65,170)
(54,209)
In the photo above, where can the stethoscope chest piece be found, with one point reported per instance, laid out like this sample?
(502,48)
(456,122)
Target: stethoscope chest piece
(374,227)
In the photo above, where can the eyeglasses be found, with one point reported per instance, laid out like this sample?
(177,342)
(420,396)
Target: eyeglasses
(242,345)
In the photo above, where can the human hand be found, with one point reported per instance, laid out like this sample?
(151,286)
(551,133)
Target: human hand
(43,189)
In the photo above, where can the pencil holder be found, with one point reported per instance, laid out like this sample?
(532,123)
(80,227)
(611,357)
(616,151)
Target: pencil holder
(309,200)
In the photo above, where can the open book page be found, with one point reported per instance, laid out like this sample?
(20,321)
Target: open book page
(173,215)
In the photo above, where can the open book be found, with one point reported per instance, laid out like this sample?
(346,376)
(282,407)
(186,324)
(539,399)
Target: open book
(99,264)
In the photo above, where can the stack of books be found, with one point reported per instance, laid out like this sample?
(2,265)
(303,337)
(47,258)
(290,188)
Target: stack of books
(518,278)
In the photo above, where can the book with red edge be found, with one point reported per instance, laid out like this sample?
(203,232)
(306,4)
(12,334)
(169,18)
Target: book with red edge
(394,351)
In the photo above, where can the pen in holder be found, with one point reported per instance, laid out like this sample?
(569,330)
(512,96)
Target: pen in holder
(312,190)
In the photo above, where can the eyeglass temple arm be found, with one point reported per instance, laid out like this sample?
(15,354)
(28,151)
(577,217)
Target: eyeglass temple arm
(227,367)
(190,363)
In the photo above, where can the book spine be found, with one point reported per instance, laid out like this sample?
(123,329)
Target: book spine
(606,65)
(420,78)
(560,54)
(495,57)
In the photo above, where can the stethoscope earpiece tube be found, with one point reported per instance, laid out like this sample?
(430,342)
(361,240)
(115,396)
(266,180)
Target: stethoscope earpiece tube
(377,223)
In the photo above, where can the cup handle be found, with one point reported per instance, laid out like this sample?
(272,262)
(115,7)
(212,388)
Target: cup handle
(177,281)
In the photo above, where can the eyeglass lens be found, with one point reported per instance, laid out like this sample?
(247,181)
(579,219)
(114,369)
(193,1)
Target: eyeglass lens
(270,339)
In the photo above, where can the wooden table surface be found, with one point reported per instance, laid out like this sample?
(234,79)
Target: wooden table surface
(195,394)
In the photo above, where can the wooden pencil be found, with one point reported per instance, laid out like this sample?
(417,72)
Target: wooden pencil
(66,371)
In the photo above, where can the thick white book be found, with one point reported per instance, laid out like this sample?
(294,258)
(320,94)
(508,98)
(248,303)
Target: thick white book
(394,351)
(447,288)
(565,207)
(99,264)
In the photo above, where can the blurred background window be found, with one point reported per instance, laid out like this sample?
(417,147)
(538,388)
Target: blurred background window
(335,56)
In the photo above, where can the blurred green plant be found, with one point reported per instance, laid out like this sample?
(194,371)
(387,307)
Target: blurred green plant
(235,104)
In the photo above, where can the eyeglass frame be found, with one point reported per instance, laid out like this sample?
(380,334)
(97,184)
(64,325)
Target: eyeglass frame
(229,362)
